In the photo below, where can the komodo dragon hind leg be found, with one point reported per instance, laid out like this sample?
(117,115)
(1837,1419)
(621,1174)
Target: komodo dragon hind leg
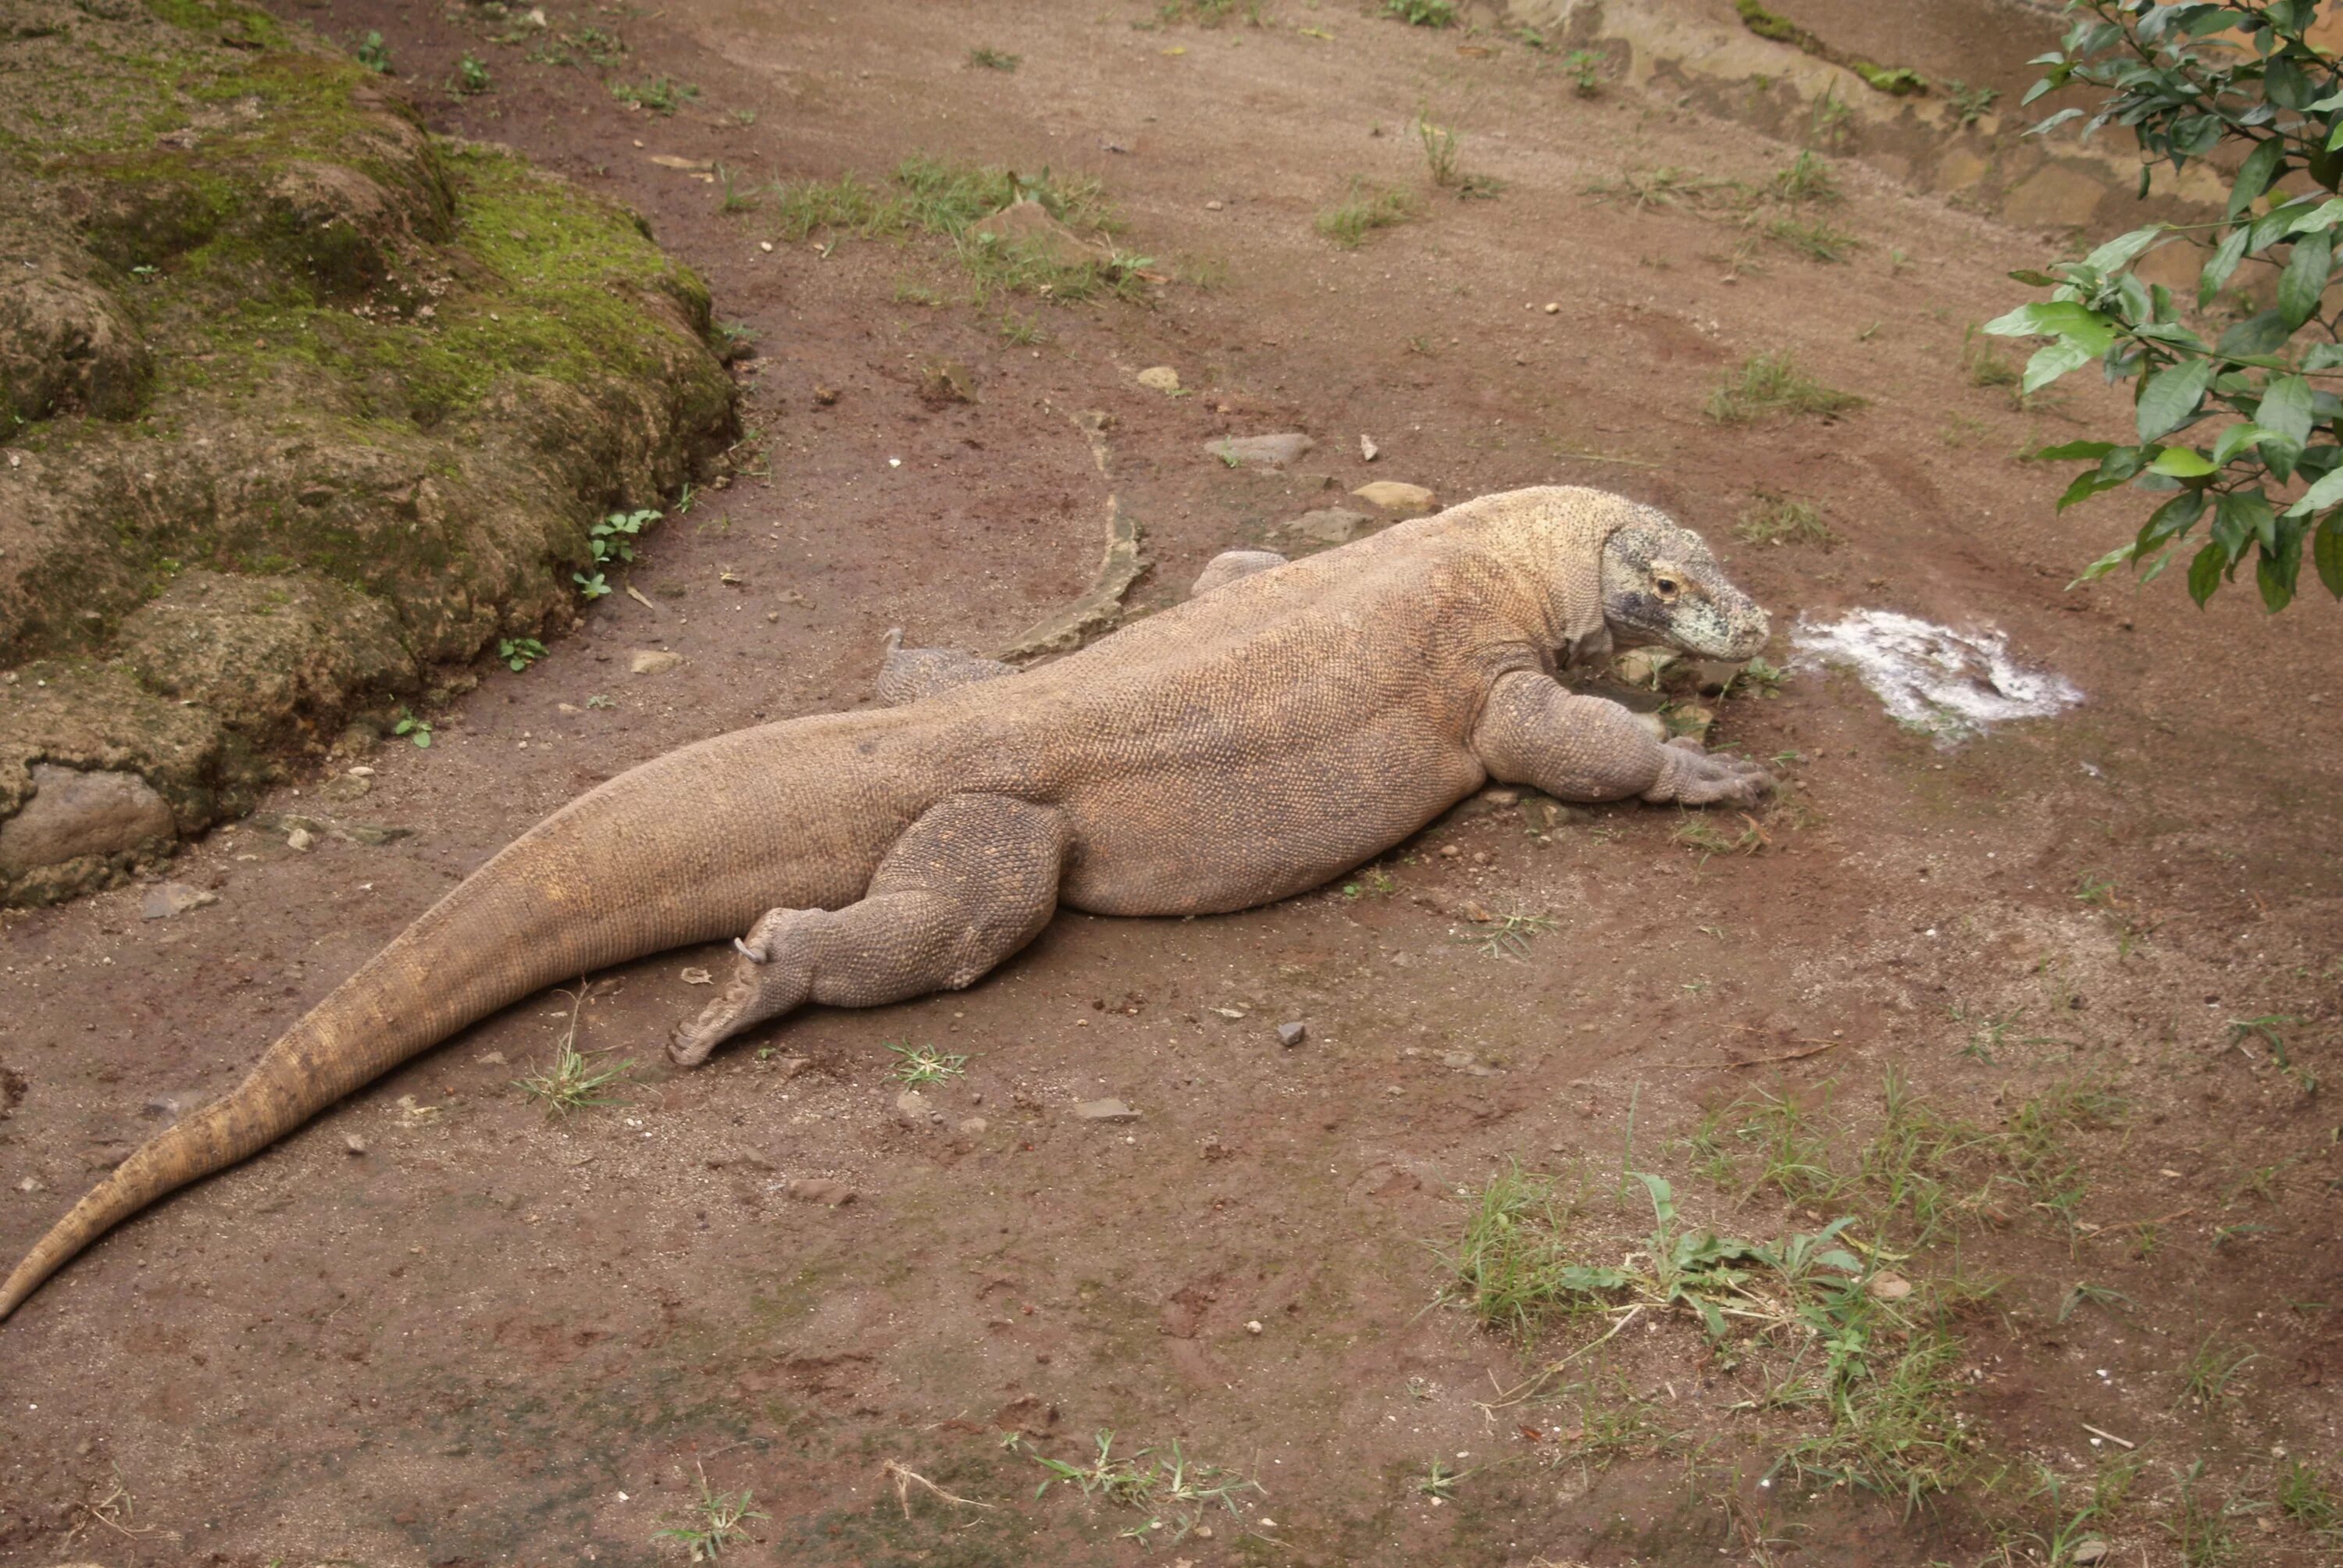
(970,882)
(911,674)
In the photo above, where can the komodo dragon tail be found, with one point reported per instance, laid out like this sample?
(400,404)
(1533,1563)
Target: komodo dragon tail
(607,879)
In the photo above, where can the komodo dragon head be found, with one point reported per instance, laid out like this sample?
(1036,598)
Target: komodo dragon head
(1660,585)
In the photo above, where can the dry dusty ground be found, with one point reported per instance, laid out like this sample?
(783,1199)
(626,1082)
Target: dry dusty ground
(495,1337)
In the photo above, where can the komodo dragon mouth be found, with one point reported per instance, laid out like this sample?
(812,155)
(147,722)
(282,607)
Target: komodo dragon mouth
(1347,699)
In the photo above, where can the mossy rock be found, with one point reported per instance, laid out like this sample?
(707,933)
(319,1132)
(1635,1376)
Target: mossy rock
(299,401)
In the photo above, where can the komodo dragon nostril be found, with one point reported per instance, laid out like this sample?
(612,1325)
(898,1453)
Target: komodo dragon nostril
(751,954)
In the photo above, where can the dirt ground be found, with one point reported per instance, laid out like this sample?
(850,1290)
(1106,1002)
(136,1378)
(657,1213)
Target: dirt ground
(438,1327)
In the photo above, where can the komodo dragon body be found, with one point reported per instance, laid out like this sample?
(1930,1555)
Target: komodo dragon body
(1246,745)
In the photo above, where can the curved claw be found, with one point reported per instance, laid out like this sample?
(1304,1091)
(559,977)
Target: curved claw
(1696,776)
(751,954)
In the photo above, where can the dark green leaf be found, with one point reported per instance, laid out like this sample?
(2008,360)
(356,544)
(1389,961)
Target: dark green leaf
(2038,279)
(2169,400)
(2255,175)
(2274,574)
(2205,573)
(2240,517)
(2084,487)
(2224,262)
(2104,565)
(2175,517)
(2326,552)
(2261,334)
(2286,409)
(2304,278)
(2088,451)
(2323,357)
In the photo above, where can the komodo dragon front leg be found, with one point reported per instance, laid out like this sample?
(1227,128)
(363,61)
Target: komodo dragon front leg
(1533,731)
(970,882)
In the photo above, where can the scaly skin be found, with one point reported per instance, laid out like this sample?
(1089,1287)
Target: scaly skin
(1250,744)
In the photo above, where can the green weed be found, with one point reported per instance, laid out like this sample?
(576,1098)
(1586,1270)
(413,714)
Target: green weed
(417,730)
(718,1521)
(1423,13)
(374,55)
(1174,1492)
(572,1083)
(1363,210)
(520,652)
(471,78)
(660,95)
(925,1064)
(985,59)
(1775,519)
(1770,385)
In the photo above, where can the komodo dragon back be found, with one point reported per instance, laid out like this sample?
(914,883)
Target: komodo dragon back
(870,857)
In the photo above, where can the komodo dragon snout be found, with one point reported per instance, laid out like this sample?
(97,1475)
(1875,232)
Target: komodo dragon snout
(1661,585)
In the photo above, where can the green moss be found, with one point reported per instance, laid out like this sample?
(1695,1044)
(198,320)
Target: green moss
(1765,24)
(225,20)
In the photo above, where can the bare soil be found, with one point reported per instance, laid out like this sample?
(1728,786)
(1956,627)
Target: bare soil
(494,1336)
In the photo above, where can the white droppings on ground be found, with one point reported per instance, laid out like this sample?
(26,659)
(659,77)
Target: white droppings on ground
(1953,684)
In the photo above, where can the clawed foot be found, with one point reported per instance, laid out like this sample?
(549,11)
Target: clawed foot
(1692,777)
(768,978)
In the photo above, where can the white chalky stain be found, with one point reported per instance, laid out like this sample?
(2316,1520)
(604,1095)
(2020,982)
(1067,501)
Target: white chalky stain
(1953,684)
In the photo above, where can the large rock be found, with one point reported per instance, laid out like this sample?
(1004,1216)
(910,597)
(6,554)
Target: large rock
(1327,526)
(464,362)
(73,814)
(1410,500)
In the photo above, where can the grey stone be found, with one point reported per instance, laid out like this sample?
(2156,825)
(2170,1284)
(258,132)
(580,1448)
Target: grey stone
(1328,525)
(1230,565)
(1289,1035)
(354,1143)
(1712,676)
(73,813)
(1105,1111)
(973,1125)
(652,661)
(821,1189)
(174,898)
(1265,451)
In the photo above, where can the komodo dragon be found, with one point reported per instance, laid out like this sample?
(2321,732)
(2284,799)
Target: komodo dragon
(1246,745)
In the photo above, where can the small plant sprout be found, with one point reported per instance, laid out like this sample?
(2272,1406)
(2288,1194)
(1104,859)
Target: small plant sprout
(1439,1481)
(520,652)
(471,78)
(718,1521)
(984,59)
(1777,519)
(926,1064)
(1174,1492)
(1423,13)
(598,700)
(417,730)
(1585,68)
(1506,936)
(660,95)
(375,54)
(1363,210)
(1771,385)
(2210,1369)
(572,1083)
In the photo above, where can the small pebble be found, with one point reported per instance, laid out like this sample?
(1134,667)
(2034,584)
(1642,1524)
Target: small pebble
(355,1144)
(1289,1035)
(299,838)
(1253,1327)
(1105,1111)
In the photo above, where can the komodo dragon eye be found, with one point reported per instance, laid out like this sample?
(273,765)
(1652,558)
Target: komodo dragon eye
(1666,587)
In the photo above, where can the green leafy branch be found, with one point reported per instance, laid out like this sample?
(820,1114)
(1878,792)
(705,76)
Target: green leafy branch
(2234,433)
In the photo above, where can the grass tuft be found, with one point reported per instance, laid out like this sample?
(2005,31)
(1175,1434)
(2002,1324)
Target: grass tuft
(1770,385)
(1775,519)
(1362,210)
